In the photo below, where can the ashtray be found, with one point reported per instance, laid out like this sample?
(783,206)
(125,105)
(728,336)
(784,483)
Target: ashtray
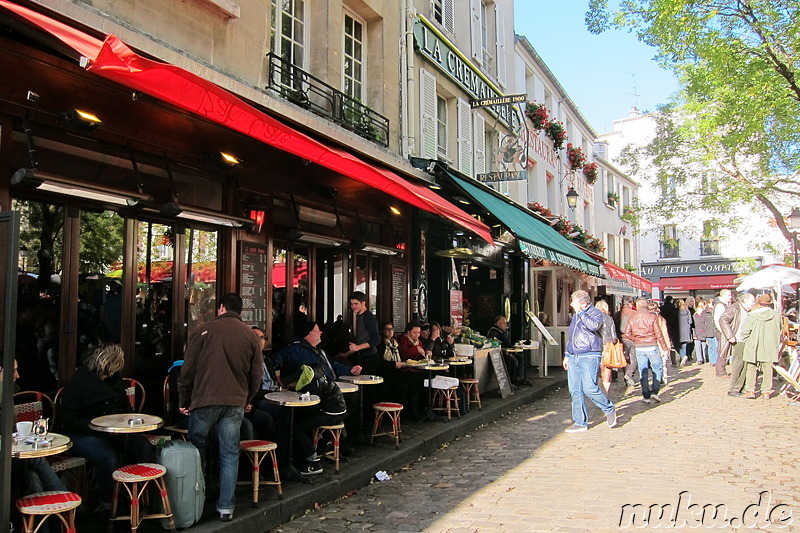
(135,422)
(39,440)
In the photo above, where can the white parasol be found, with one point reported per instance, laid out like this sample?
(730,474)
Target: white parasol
(774,277)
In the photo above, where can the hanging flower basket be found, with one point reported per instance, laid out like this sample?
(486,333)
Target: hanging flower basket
(590,171)
(575,156)
(555,130)
(537,113)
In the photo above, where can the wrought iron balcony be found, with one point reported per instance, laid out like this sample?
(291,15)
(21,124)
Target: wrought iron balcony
(303,89)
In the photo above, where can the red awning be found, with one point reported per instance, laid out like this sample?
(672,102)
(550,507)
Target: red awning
(637,282)
(114,60)
(688,283)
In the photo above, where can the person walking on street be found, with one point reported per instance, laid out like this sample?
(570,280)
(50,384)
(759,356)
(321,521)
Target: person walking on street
(701,324)
(731,324)
(621,320)
(685,332)
(221,372)
(645,331)
(609,333)
(582,362)
(762,338)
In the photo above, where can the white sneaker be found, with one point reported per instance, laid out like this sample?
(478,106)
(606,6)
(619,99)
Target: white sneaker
(575,428)
(646,400)
(655,398)
(611,418)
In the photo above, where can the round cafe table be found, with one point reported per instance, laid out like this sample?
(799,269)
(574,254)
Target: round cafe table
(362,379)
(30,447)
(126,423)
(292,399)
(346,387)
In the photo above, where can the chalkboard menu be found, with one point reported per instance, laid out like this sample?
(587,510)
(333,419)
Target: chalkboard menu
(253,283)
(499,365)
(399,297)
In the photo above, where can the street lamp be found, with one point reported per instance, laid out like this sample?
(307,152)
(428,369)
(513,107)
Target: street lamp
(572,201)
(794,223)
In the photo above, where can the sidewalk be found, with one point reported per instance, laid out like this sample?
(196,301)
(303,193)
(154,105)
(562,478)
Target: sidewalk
(419,440)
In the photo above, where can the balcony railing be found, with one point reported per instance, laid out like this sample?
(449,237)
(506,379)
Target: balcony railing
(670,249)
(709,247)
(303,89)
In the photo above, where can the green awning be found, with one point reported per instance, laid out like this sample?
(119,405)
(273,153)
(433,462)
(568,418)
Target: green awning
(536,239)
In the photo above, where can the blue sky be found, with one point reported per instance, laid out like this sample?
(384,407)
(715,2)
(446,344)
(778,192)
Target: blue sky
(597,71)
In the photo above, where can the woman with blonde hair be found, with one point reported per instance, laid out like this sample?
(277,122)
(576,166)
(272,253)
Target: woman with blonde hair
(97,389)
(609,333)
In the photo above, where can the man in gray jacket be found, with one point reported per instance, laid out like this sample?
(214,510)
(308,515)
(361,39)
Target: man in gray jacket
(221,372)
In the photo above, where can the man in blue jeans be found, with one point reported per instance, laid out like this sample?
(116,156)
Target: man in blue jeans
(644,330)
(582,362)
(221,372)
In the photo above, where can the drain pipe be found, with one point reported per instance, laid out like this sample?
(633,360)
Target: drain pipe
(407,85)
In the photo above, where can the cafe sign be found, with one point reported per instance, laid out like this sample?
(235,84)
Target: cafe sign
(449,60)
(698,268)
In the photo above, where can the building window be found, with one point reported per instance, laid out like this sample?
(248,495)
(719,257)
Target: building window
(444,14)
(290,34)
(487,56)
(441,125)
(611,248)
(353,68)
(670,245)
(709,244)
(627,253)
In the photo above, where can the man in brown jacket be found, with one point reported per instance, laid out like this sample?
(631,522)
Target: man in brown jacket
(730,325)
(643,329)
(221,372)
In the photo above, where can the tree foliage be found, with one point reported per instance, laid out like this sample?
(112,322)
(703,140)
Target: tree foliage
(734,118)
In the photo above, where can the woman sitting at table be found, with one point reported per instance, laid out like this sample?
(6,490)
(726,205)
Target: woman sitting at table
(412,380)
(97,389)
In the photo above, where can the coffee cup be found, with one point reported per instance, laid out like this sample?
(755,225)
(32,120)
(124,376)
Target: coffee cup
(24,428)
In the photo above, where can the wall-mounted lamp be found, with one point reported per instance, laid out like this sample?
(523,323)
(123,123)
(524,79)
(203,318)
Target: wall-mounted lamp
(394,210)
(461,200)
(175,210)
(298,235)
(258,215)
(226,160)
(81,120)
(572,198)
(28,177)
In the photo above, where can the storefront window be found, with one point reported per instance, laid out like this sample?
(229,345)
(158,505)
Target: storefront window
(374,273)
(278,297)
(300,287)
(201,277)
(331,298)
(99,281)
(155,248)
(41,243)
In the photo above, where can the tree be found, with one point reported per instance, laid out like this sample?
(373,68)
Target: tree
(734,120)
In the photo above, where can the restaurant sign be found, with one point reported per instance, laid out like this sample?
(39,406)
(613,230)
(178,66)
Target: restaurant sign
(536,251)
(449,60)
(699,268)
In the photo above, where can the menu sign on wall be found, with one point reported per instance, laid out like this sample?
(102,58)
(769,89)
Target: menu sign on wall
(253,283)
(399,298)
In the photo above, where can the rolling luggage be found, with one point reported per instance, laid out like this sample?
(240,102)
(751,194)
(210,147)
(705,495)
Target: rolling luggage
(184,480)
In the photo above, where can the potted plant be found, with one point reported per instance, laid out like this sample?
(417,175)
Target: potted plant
(555,130)
(590,171)
(613,198)
(537,113)
(575,157)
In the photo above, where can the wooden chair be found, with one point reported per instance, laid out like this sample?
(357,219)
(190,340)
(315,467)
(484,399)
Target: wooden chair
(446,400)
(472,394)
(256,451)
(136,394)
(336,436)
(392,411)
(135,479)
(47,504)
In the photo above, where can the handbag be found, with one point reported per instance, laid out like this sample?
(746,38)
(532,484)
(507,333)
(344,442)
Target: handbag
(614,355)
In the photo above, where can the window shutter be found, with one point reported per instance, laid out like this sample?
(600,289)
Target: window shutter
(502,185)
(449,15)
(427,98)
(500,45)
(479,144)
(475,27)
(464,137)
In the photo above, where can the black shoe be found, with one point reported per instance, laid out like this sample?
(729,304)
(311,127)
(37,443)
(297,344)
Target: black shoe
(311,469)
(735,394)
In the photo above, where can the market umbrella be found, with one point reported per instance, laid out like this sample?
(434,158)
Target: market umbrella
(772,277)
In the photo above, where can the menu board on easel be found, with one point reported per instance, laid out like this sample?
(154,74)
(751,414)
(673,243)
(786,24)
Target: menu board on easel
(399,297)
(496,356)
(253,283)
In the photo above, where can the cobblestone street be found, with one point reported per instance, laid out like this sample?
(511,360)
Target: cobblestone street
(522,473)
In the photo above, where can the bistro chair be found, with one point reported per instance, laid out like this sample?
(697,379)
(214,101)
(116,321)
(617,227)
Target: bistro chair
(30,406)
(135,479)
(47,504)
(136,394)
(471,392)
(336,436)
(392,411)
(446,400)
(256,451)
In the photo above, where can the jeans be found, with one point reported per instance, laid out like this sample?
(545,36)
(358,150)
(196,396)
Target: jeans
(649,359)
(228,420)
(582,379)
(701,349)
(713,345)
(104,453)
